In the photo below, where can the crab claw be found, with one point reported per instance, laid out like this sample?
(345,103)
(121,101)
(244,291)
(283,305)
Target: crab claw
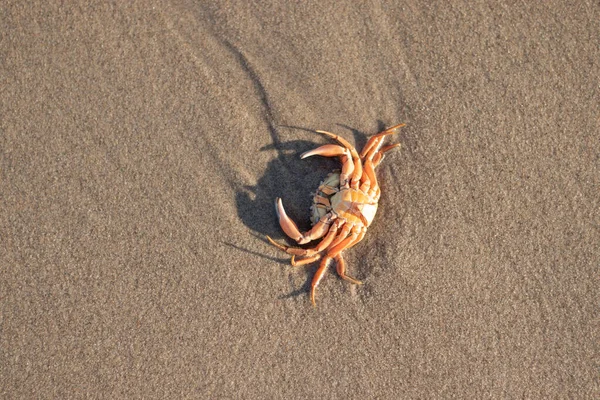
(328,150)
(289,227)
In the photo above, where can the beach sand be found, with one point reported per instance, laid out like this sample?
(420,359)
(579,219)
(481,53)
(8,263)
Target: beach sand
(142,147)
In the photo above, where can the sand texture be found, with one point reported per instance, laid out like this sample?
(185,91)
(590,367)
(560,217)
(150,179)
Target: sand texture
(142,145)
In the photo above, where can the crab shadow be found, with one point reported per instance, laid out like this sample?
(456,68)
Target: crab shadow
(292,179)
(288,177)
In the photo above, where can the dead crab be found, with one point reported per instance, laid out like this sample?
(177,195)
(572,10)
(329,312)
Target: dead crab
(343,206)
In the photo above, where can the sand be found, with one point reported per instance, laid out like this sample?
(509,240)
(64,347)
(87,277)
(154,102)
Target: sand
(142,147)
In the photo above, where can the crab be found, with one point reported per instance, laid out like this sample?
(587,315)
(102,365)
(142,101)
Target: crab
(343,206)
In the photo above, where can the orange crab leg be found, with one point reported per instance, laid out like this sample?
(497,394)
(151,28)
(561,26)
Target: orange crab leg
(319,230)
(389,147)
(339,139)
(371,161)
(350,241)
(355,180)
(304,261)
(357,173)
(341,270)
(326,242)
(332,253)
(288,249)
(317,279)
(376,139)
(370,180)
(327,150)
(343,233)
(378,156)
(371,146)
(373,186)
(291,229)
(332,150)
(368,177)
(377,159)
(323,266)
(348,167)
(298,251)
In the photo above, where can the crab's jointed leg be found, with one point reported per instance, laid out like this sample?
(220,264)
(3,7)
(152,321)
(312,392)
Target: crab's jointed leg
(291,229)
(310,253)
(375,140)
(357,235)
(304,261)
(333,150)
(347,242)
(341,270)
(317,279)
(343,234)
(368,177)
(357,173)
(372,155)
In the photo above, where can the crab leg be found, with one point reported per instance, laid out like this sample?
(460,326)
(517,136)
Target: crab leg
(298,251)
(371,161)
(332,253)
(333,150)
(327,150)
(368,176)
(319,248)
(291,229)
(357,235)
(304,261)
(343,234)
(387,148)
(378,156)
(376,140)
(341,270)
(323,266)
(369,179)
(357,173)
(319,230)
(317,279)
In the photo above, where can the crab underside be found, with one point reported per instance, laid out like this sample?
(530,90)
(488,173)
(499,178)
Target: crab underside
(343,206)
